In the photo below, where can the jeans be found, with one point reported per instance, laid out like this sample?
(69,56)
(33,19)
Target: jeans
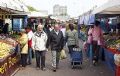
(40,58)
(88,50)
(23,60)
(95,51)
(55,58)
(29,55)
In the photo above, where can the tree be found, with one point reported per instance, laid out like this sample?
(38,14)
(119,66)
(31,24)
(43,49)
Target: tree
(31,8)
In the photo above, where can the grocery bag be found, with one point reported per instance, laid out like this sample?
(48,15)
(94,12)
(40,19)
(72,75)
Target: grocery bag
(62,54)
(117,59)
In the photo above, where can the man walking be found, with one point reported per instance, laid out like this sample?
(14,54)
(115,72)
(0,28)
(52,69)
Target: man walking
(57,43)
(39,41)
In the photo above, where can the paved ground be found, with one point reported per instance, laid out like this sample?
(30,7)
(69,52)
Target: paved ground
(65,69)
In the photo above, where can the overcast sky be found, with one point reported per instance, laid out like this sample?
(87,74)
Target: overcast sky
(75,7)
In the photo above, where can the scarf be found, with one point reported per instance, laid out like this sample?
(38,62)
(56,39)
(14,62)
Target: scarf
(38,34)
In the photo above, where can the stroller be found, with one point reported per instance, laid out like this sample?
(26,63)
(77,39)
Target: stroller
(76,58)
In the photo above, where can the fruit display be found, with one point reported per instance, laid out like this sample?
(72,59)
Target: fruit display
(5,49)
(7,46)
(16,36)
(112,42)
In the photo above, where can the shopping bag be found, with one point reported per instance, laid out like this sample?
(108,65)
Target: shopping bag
(117,59)
(62,54)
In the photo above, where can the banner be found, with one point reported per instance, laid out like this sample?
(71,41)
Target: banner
(17,24)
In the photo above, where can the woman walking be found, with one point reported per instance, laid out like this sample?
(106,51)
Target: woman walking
(97,40)
(72,38)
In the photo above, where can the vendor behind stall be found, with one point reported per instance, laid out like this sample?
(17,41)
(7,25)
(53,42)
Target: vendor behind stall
(118,28)
(5,28)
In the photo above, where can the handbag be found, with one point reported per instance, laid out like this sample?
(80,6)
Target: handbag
(63,54)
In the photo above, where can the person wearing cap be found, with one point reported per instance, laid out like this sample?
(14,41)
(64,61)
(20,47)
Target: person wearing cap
(23,41)
(39,41)
(57,44)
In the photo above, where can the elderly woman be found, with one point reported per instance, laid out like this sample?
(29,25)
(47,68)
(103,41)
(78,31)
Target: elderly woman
(72,38)
(39,41)
(23,41)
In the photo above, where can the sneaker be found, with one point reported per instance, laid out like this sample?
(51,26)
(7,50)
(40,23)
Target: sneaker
(94,63)
(54,69)
(43,69)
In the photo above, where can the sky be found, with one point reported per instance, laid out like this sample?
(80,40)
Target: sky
(74,7)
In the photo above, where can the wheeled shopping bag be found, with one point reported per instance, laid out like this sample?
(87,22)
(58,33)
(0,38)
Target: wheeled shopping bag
(76,58)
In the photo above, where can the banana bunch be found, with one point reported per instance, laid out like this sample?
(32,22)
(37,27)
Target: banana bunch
(4,49)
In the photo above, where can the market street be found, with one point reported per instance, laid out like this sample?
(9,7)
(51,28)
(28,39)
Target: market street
(65,69)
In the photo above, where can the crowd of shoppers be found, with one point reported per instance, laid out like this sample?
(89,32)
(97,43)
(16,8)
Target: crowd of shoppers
(54,39)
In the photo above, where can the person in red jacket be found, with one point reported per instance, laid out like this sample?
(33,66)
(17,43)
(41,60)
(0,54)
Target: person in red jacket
(30,35)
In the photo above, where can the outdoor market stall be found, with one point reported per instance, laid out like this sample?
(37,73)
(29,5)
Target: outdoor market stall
(9,56)
(109,14)
(109,10)
(35,17)
(84,22)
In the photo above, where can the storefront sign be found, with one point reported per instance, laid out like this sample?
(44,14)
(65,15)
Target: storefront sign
(9,65)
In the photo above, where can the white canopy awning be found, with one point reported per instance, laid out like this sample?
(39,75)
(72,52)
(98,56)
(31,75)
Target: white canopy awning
(14,5)
(60,18)
(37,14)
(111,7)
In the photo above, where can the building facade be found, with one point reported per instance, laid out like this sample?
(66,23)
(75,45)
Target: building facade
(59,10)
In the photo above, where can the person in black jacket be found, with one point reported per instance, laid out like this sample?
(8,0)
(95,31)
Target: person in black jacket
(5,28)
(57,43)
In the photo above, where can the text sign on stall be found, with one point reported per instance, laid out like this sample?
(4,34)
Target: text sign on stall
(8,66)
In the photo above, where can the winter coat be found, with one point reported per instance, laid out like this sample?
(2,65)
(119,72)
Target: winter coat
(39,41)
(72,37)
(23,40)
(56,41)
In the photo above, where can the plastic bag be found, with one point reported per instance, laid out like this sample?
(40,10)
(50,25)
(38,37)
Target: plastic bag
(117,59)
(62,54)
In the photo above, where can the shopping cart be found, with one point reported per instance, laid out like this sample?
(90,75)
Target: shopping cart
(76,58)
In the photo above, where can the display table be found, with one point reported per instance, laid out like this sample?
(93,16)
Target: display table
(9,64)
(118,71)
(107,56)
(109,60)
